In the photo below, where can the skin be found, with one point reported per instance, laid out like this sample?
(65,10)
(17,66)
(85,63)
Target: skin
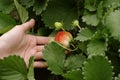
(18,42)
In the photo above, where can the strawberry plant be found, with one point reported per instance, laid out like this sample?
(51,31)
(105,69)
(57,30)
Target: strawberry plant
(89,28)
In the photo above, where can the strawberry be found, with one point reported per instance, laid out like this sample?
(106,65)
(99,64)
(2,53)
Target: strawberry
(64,38)
(58,25)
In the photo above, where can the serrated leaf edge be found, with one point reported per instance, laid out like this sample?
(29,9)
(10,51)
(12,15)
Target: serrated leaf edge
(84,40)
(85,62)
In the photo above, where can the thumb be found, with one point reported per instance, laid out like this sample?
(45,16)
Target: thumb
(28,25)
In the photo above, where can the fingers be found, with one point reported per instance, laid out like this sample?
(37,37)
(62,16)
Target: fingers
(38,56)
(28,25)
(40,48)
(40,64)
(42,40)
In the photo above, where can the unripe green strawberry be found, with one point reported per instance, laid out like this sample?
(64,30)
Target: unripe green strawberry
(64,38)
(75,23)
(58,25)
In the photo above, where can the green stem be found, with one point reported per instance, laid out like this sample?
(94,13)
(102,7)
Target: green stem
(62,28)
(79,27)
(66,47)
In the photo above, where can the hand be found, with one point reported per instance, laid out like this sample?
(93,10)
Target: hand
(17,42)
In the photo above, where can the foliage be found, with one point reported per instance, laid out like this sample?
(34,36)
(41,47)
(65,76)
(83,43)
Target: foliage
(6,23)
(94,52)
(61,10)
(21,11)
(14,67)
(103,66)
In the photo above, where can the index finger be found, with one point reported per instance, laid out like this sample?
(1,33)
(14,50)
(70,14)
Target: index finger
(42,40)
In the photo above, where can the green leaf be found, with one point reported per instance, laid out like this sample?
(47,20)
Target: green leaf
(30,74)
(74,62)
(6,23)
(97,35)
(27,3)
(117,78)
(55,57)
(97,68)
(110,2)
(74,75)
(96,47)
(6,6)
(91,19)
(39,6)
(112,22)
(12,68)
(82,46)
(23,13)
(91,5)
(60,11)
(84,34)
(100,10)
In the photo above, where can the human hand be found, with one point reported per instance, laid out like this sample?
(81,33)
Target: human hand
(17,42)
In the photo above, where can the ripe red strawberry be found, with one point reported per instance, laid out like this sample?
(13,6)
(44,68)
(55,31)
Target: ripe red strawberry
(64,38)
